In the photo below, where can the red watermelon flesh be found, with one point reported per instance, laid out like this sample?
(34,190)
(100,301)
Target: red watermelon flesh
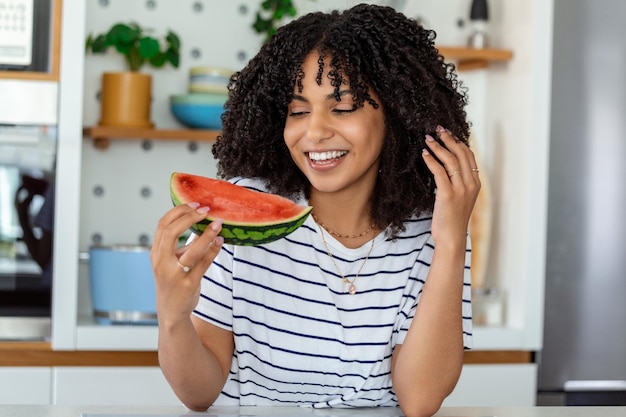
(249,217)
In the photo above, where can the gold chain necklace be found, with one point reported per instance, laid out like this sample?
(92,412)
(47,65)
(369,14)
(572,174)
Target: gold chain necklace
(346,281)
(330,231)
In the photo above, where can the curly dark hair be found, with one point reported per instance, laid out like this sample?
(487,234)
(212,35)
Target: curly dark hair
(369,47)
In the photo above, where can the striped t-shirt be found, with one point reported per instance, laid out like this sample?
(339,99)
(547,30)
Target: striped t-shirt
(300,337)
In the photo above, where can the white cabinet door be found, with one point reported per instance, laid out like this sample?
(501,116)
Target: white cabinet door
(111,386)
(25,385)
(495,385)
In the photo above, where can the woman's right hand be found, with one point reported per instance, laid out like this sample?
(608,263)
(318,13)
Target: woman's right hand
(178,271)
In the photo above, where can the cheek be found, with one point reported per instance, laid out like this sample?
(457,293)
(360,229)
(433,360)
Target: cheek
(372,136)
(289,135)
(291,140)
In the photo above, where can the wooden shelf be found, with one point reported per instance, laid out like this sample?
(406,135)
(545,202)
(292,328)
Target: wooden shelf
(41,354)
(470,58)
(102,134)
(466,59)
(55,53)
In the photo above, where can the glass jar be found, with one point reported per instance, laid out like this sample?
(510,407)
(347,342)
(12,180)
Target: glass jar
(487,307)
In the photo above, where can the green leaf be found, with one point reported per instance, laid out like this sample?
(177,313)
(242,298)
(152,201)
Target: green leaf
(173,57)
(158,60)
(148,47)
(278,14)
(99,44)
(173,40)
(262,25)
(124,48)
(121,33)
(88,42)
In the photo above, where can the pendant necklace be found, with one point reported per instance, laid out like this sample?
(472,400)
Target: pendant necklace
(351,286)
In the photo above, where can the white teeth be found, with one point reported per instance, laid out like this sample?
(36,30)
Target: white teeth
(324,156)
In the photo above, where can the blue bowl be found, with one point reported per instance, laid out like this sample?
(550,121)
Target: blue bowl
(198,111)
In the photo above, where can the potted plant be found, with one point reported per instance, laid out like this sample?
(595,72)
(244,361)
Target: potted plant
(125,96)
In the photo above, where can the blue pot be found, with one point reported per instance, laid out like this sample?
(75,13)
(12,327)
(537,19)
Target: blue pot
(122,285)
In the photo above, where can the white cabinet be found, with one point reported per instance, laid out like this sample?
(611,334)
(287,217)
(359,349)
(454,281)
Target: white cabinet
(111,386)
(25,385)
(495,385)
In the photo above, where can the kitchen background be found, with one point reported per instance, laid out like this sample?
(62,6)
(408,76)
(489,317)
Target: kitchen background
(124,189)
(116,195)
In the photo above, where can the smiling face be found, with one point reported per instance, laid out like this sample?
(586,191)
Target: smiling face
(336,144)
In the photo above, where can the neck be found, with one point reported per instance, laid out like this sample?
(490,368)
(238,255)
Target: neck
(347,220)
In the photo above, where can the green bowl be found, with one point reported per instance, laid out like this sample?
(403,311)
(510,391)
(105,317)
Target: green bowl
(199,98)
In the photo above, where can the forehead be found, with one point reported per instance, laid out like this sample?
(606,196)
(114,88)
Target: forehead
(314,63)
(320,68)
(331,71)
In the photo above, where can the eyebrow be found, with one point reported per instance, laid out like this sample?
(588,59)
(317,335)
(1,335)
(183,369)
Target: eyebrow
(328,96)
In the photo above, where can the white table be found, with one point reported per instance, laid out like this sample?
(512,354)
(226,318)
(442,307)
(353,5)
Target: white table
(130,411)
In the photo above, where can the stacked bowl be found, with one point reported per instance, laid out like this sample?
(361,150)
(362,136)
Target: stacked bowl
(203,105)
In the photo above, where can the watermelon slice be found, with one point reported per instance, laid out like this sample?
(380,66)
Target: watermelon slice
(249,217)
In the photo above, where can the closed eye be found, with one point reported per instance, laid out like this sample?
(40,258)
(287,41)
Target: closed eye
(345,111)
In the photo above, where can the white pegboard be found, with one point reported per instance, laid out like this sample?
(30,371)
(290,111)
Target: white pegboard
(124,189)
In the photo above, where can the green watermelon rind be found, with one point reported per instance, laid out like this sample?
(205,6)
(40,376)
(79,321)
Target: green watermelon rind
(250,234)
(253,235)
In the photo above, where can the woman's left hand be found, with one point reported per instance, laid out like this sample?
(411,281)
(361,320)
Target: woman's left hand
(457,182)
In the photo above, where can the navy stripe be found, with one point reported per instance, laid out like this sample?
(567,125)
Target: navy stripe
(227,325)
(318,319)
(316,372)
(308,336)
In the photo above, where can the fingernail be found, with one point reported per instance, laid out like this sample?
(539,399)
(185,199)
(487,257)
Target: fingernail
(202,210)
(425,151)
(440,128)
(218,240)
(216,225)
(429,138)
(193,204)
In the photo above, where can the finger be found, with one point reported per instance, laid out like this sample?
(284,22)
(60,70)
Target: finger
(456,148)
(201,245)
(173,224)
(442,153)
(464,161)
(203,248)
(441,159)
(436,168)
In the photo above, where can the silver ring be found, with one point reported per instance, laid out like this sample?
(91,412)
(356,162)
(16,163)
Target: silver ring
(184,267)
(452,173)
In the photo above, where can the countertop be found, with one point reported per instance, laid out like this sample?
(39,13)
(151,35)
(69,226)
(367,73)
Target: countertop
(136,411)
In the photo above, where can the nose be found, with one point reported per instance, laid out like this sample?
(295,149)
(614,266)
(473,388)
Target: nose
(319,127)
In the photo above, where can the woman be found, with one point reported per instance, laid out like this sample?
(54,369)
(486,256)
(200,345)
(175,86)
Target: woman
(368,303)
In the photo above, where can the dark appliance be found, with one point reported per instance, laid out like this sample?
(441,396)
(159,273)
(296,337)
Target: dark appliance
(583,361)
(27,155)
